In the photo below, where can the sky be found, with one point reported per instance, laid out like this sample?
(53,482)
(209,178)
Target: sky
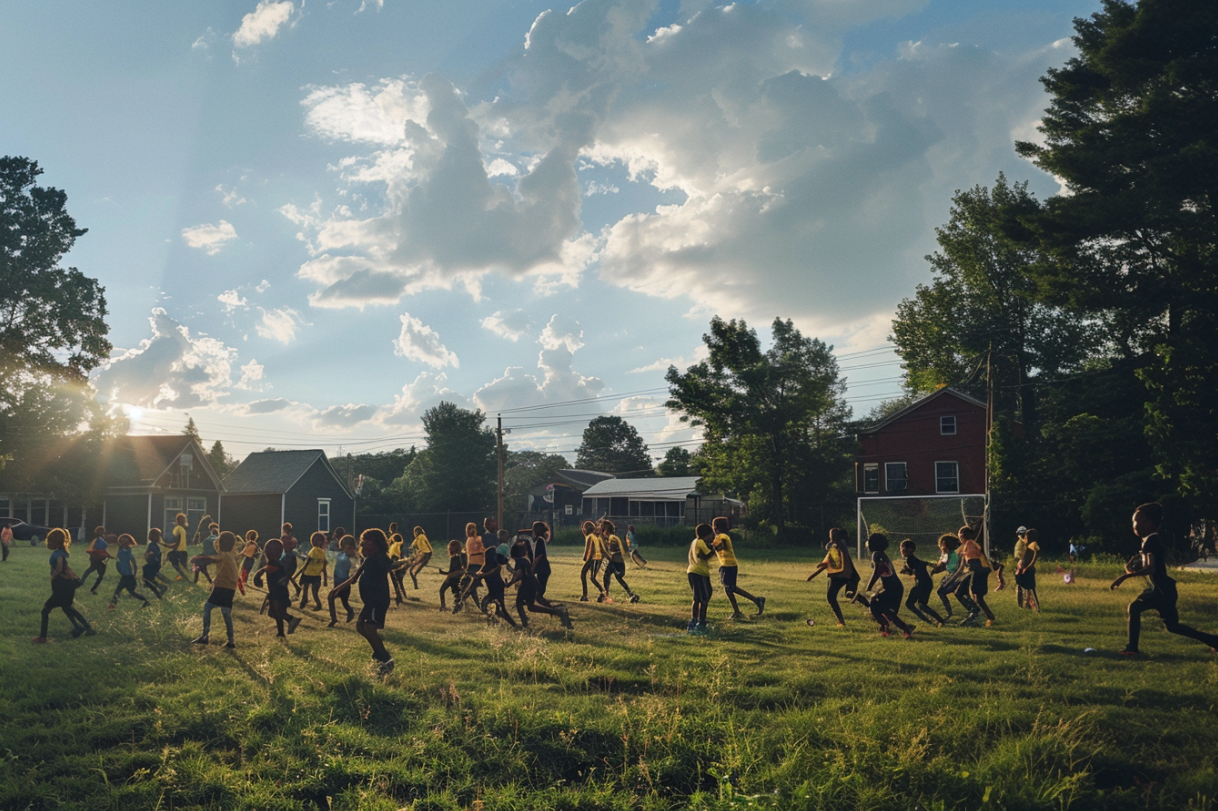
(315,220)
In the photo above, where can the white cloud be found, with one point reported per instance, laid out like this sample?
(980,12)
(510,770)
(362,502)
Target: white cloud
(263,23)
(424,392)
(562,331)
(251,376)
(232,300)
(699,354)
(419,342)
(356,113)
(279,324)
(553,381)
(208,237)
(204,41)
(263,287)
(512,325)
(171,369)
(230,197)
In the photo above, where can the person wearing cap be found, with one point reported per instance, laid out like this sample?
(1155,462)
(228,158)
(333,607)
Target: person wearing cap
(1027,550)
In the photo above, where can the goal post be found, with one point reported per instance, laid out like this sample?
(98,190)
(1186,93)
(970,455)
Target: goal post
(922,519)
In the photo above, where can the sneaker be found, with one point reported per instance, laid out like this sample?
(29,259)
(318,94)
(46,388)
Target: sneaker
(760,606)
(841,625)
(600,598)
(230,644)
(737,616)
(883,633)
(110,607)
(1128,652)
(583,598)
(292,623)
(77,631)
(386,667)
(201,640)
(634,598)
(457,607)
(989,623)
(146,604)
(90,632)
(332,623)
(350,616)
(179,577)
(909,633)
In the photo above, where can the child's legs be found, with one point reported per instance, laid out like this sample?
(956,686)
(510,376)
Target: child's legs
(979,599)
(912,604)
(618,574)
(207,607)
(50,605)
(835,585)
(373,635)
(226,611)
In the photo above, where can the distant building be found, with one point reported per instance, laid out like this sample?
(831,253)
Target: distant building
(934,446)
(562,497)
(150,479)
(272,487)
(667,501)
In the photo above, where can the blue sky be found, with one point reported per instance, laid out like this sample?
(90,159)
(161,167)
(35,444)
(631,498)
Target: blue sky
(315,220)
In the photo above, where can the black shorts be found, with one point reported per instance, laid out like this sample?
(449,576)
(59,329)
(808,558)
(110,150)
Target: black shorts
(701,585)
(307,580)
(494,587)
(221,598)
(612,568)
(1027,579)
(727,576)
(980,583)
(920,593)
(374,614)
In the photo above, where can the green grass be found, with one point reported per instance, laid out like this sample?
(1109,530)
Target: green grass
(625,713)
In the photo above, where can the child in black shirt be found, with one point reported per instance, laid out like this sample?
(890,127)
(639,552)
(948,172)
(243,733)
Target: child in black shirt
(886,604)
(923,584)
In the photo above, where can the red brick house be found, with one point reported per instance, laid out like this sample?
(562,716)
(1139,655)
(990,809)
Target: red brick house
(934,446)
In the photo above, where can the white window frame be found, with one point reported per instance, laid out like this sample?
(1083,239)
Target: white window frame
(946,420)
(167,527)
(868,466)
(888,480)
(323,526)
(956,465)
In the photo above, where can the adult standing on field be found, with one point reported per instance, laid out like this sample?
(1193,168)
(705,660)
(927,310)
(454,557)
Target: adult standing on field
(1160,596)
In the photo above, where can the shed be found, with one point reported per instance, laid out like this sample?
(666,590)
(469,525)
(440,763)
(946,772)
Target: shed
(300,487)
(666,501)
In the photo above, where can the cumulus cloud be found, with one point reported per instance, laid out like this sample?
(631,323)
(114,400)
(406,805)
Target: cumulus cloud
(263,23)
(230,197)
(554,380)
(512,324)
(419,342)
(251,376)
(172,369)
(279,324)
(208,237)
(425,391)
(232,300)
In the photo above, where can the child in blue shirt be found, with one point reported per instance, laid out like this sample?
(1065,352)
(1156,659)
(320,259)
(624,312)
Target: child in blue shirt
(126,572)
(63,587)
(342,573)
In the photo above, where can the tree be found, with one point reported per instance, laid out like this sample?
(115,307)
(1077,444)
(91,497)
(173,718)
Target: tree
(774,420)
(1130,130)
(458,469)
(191,430)
(612,445)
(676,462)
(524,470)
(220,461)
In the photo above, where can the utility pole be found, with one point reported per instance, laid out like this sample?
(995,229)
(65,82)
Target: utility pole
(989,438)
(499,454)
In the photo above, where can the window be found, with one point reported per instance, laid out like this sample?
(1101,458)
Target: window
(895,479)
(173,506)
(871,478)
(947,477)
(196,508)
(947,426)
(323,515)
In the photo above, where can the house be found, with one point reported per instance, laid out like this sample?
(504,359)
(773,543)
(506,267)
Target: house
(668,501)
(272,487)
(562,496)
(150,479)
(934,446)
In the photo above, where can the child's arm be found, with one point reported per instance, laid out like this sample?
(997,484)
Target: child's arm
(1130,571)
(354,576)
(820,567)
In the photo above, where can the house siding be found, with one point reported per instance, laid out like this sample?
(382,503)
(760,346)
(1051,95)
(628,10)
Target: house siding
(316,483)
(239,513)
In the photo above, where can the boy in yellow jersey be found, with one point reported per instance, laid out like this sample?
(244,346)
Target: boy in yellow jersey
(593,553)
(615,560)
(314,574)
(176,550)
(421,547)
(698,572)
(729,568)
(395,572)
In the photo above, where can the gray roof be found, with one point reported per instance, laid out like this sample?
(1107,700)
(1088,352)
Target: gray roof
(266,472)
(666,488)
(583,478)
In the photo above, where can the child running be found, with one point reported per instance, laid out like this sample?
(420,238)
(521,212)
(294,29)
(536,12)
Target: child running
(209,551)
(277,579)
(698,572)
(540,562)
(842,574)
(592,561)
(395,571)
(126,571)
(456,571)
(1027,551)
(729,568)
(615,563)
(342,573)
(98,557)
(956,581)
(527,582)
(249,558)
(223,587)
(886,605)
(420,549)
(475,556)
(176,549)
(373,577)
(152,565)
(979,568)
(632,544)
(63,587)
(923,584)
(316,567)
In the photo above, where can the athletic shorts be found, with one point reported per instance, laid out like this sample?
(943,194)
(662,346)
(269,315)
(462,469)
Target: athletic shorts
(727,576)
(701,585)
(614,568)
(1027,579)
(422,561)
(374,614)
(221,598)
(494,587)
(307,580)
(980,584)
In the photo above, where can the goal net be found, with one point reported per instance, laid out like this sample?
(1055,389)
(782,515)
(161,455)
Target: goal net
(922,519)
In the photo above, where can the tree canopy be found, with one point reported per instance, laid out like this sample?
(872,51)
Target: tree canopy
(458,469)
(612,445)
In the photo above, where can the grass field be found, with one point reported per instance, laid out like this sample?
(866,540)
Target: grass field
(624,713)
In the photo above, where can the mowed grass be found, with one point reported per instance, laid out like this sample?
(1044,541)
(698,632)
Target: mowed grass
(626,712)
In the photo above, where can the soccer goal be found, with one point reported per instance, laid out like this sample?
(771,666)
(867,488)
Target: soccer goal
(922,519)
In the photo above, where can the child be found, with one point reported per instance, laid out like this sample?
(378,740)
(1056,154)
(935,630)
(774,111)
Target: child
(525,577)
(313,576)
(979,568)
(956,580)
(492,575)
(395,571)
(475,556)
(540,563)
(277,580)
(729,568)
(126,572)
(420,547)
(456,571)
(250,557)
(342,572)
(698,573)
(209,551)
(63,587)
(842,573)
(632,544)
(176,549)
(592,560)
(1027,550)
(222,588)
(923,584)
(615,561)
(151,571)
(373,577)
(1161,596)
(885,605)
(289,560)
(97,558)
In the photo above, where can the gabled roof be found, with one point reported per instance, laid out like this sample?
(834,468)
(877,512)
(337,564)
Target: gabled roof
(916,404)
(275,472)
(582,479)
(666,488)
(138,461)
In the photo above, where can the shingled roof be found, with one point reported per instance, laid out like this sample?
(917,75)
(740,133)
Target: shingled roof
(267,472)
(139,461)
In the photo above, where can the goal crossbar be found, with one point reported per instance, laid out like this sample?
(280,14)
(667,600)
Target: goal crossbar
(922,518)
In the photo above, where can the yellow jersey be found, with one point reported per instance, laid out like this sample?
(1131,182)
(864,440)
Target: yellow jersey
(315,562)
(723,548)
(699,554)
